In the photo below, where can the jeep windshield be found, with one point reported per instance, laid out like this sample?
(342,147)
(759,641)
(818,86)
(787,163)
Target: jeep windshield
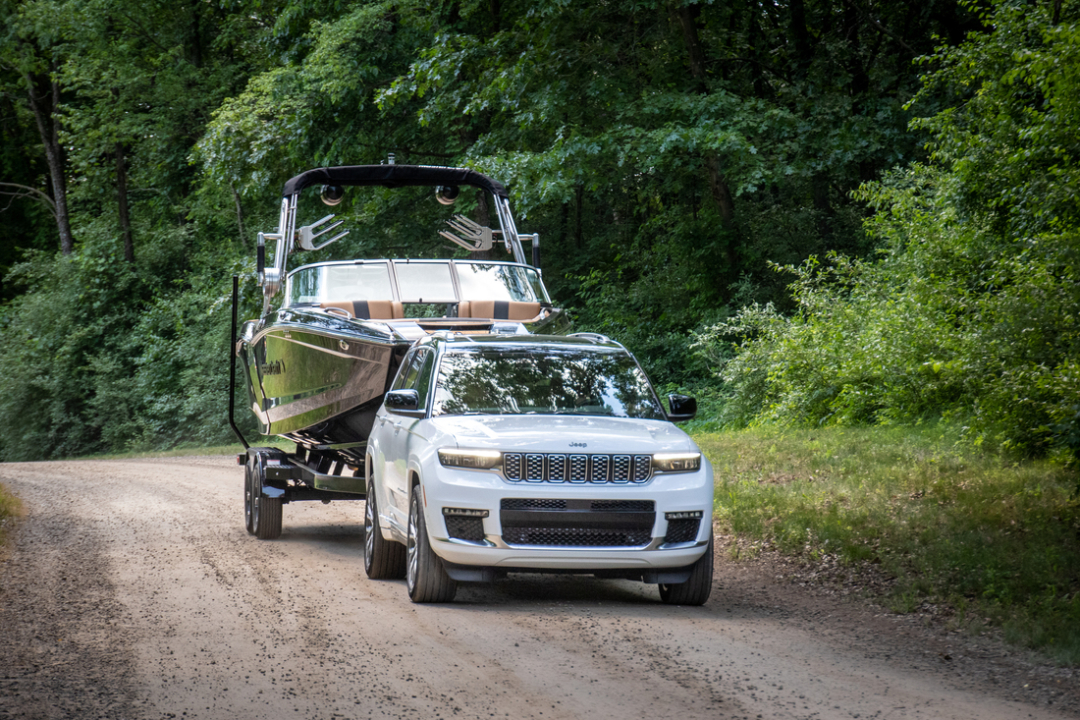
(548,380)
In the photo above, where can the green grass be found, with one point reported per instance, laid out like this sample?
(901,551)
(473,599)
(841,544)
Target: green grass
(10,509)
(996,540)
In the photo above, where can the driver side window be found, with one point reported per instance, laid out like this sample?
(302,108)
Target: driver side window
(415,374)
(407,373)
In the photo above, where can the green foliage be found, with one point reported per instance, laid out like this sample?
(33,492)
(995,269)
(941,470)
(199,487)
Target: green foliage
(943,521)
(93,361)
(971,310)
(590,115)
(665,152)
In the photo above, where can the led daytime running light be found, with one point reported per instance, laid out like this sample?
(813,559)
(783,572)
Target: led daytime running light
(465,512)
(683,515)
(470,459)
(676,462)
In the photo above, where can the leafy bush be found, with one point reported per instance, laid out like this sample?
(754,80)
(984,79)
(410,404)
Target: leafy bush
(940,520)
(972,310)
(100,356)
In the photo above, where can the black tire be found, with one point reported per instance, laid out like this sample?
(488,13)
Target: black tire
(249,497)
(268,518)
(697,589)
(265,511)
(425,576)
(383,559)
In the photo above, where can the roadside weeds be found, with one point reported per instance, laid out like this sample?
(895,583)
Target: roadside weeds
(917,519)
(10,511)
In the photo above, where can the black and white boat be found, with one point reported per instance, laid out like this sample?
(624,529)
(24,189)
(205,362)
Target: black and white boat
(332,334)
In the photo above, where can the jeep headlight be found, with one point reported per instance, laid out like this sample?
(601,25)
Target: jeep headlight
(676,462)
(470,459)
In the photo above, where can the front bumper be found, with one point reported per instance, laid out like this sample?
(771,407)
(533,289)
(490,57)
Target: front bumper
(648,541)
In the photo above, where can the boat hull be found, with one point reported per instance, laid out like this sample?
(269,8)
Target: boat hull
(318,380)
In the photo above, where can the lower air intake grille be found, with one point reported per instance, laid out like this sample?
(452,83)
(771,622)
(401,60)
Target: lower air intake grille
(580,522)
(533,504)
(581,537)
(623,505)
(465,528)
(684,530)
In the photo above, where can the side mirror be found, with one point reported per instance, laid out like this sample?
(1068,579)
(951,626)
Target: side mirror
(682,408)
(402,401)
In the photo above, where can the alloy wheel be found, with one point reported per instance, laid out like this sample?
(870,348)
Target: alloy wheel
(410,548)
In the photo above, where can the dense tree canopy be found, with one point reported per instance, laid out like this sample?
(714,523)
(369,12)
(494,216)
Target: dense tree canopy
(972,310)
(668,152)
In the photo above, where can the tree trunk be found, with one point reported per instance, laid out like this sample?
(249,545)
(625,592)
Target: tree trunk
(195,50)
(800,38)
(718,185)
(122,203)
(48,124)
(688,16)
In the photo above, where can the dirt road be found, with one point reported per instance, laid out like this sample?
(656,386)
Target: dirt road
(133,591)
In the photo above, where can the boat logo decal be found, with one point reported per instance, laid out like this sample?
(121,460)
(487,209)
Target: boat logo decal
(273,368)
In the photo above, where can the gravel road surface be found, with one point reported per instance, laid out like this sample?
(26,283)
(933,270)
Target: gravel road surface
(133,591)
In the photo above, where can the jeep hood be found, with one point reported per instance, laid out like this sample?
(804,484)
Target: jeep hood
(564,434)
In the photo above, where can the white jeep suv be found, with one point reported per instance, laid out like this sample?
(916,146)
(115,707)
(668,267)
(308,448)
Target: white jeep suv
(520,453)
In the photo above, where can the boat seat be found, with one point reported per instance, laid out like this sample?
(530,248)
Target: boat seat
(369,309)
(499,309)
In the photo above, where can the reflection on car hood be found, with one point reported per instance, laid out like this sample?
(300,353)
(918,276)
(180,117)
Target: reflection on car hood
(564,433)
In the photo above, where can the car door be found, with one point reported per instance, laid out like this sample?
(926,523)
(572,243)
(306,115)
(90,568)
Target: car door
(398,431)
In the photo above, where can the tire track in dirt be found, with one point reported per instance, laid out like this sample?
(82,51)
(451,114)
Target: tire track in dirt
(133,591)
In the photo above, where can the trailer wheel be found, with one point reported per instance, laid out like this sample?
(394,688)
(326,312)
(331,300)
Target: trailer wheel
(383,559)
(268,518)
(266,511)
(425,576)
(249,497)
(697,589)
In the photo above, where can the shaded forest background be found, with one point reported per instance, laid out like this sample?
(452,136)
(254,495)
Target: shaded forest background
(805,211)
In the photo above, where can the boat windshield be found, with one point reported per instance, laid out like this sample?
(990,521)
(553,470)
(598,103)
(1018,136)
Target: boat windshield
(495,281)
(425,282)
(336,282)
(414,281)
(551,380)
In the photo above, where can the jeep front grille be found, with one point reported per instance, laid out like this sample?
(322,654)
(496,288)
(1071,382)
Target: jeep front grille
(576,468)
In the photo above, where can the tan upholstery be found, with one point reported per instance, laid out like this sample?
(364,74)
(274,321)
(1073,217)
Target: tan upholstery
(499,309)
(369,309)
